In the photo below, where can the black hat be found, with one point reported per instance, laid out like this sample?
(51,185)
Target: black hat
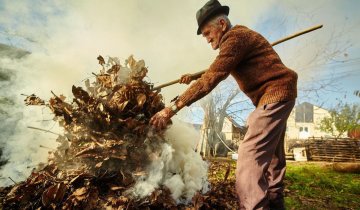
(209,10)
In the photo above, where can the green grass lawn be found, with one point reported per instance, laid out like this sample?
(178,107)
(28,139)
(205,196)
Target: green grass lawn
(317,186)
(309,185)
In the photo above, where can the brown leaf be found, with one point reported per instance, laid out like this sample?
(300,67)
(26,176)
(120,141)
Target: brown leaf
(62,97)
(37,178)
(33,100)
(139,173)
(141,99)
(81,94)
(104,80)
(163,197)
(121,157)
(80,178)
(115,188)
(91,149)
(80,192)
(98,165)
(117,202)
(122,106)
(13,194)
(53,194)
(227,172)
(131,61)
(114,69)
(198,201)
(101,60)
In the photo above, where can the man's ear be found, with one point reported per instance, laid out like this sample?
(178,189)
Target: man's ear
(223,25)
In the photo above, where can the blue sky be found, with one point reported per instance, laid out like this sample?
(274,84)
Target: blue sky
(337,68)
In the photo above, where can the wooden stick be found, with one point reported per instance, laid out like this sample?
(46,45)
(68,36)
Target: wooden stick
(40,129)
(198,74)
(42,146)
(297,34)
(12,180)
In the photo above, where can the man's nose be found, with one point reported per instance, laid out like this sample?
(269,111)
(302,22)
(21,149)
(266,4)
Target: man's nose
(208,39)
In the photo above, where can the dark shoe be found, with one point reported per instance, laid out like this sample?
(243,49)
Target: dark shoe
(277,204)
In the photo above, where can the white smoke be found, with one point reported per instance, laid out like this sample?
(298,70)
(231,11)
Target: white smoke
(22,148)
(178,167)
(25,148)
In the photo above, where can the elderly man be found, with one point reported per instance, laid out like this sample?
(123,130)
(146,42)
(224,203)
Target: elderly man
(270,85)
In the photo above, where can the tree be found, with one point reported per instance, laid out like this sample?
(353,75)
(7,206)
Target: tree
(226,100)
(215,107)
(342,119)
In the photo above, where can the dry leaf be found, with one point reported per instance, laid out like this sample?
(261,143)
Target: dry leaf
(101,60)
(141,99)
(33,100)
(80,191)
(53,194)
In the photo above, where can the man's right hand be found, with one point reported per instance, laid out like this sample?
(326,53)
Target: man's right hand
(186,79)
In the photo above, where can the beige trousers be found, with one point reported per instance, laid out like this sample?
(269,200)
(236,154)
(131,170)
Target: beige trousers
(261,162)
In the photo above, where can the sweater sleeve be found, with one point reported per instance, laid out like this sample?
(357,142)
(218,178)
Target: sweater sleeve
(232,50)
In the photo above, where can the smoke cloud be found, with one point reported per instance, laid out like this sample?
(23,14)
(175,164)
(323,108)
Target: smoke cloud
(178,167)
(64,40)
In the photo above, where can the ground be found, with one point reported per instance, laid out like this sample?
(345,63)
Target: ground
(309,185)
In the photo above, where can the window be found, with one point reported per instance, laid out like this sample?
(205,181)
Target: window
(304,113)
(301,129)
(306,129)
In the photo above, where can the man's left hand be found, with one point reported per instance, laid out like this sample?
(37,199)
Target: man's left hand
(161,119)
(186,79)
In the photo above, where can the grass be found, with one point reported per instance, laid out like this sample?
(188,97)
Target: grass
(308,185)
(317,186)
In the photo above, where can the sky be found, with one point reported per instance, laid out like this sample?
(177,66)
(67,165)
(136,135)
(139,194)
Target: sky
(65,37)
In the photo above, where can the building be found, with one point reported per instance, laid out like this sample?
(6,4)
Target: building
(214,144)
(304,122)
(233,131)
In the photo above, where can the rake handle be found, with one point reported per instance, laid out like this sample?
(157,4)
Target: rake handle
(198,74)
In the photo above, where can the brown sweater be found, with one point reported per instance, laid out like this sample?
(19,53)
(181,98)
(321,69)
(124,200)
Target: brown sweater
(254,64)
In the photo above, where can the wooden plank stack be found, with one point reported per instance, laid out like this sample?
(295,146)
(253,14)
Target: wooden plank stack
(334,150)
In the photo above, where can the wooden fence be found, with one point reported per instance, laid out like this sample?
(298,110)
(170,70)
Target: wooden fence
(334,150)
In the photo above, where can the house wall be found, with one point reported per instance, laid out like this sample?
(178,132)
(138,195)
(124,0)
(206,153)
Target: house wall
(228,129)
(302,130)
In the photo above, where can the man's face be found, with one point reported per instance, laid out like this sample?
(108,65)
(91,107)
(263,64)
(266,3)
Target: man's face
(213,33)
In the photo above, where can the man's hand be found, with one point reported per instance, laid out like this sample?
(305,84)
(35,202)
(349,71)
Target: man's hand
(186,79)
(161,119)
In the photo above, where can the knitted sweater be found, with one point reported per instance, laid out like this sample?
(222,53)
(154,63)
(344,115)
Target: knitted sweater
(254,64)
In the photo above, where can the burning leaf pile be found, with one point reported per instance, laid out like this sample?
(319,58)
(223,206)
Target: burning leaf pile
(109,157)
(106,146)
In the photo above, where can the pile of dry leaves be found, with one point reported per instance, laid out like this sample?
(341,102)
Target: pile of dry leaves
(106,145)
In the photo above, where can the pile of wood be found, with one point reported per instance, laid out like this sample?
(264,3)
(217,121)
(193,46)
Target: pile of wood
(334,150)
